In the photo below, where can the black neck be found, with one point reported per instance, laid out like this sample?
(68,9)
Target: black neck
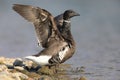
(66,31)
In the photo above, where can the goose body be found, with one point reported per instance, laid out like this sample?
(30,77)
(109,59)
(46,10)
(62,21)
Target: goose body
(53,34)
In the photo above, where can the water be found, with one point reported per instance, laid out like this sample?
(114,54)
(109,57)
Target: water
(96,33)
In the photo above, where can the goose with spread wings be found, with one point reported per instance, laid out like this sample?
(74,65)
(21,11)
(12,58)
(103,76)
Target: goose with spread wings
(53,34)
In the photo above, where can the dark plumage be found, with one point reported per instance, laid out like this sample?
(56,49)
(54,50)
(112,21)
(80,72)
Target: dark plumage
(53,34)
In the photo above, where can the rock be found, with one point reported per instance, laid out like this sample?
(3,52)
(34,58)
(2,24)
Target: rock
(82,78)
(3,68)
(10,66)
(2,59)
(6,60)
(27,63)
(18,62)
(9,61)
(12,73)
(47,71)
(30,79)
(19,68)
(5,77)
(45,78)
(19,76)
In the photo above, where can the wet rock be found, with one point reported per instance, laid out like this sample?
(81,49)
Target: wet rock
(78,69)
(10,66)
(46,78)
(46,70)
(18,62)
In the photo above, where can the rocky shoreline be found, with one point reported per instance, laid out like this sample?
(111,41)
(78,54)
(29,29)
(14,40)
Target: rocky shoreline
(17,69)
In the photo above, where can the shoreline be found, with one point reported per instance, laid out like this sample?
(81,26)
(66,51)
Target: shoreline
(15,69)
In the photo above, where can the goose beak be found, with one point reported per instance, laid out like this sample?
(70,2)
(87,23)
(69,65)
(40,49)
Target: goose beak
(77,14)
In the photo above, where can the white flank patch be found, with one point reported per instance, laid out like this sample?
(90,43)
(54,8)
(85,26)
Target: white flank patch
(40,60)
(63,53)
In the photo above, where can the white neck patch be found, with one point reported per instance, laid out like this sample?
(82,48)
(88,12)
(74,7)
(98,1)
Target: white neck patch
(67,21)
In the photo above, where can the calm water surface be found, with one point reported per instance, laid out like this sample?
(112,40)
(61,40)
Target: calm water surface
(96,32)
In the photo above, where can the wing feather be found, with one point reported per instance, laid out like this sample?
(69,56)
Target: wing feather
(45,26)
(59,20)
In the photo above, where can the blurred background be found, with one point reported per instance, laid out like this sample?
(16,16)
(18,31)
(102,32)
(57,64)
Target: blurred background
(96,32)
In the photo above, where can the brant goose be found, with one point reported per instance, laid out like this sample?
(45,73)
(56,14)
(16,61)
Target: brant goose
(53,34)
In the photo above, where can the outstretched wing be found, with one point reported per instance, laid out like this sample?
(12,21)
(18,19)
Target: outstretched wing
(43,21)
